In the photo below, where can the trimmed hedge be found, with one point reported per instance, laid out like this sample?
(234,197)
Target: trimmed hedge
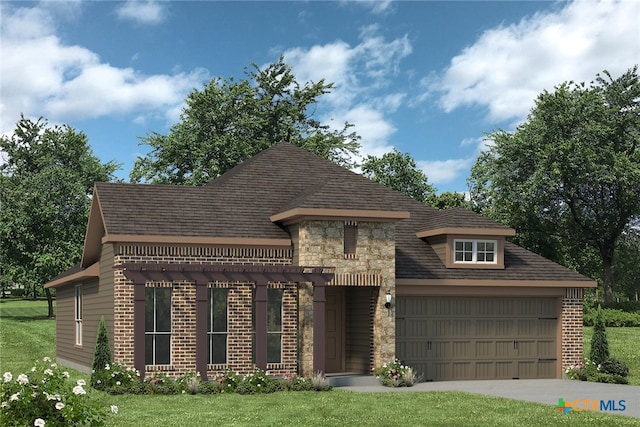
(612,317)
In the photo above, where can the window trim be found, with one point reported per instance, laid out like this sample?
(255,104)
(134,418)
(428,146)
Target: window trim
(78,314)
(474,251)
(154,333)
(210,332)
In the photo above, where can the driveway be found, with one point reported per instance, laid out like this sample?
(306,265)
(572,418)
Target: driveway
(539,391)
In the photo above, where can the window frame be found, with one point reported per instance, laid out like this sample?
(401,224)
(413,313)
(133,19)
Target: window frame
(78,314)
(275,332)
(475,251)
(154,333)
(350,239)
(211,333)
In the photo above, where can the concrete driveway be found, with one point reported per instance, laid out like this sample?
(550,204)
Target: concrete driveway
(540,391)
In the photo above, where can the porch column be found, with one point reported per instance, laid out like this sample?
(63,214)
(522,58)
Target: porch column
(319,352)
(138,328)
(261,324)
(202,339)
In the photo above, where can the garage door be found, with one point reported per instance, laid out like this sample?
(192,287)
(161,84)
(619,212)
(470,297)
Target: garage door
(464,338)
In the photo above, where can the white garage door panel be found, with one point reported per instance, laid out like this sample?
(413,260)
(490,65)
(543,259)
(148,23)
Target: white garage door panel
(460,338)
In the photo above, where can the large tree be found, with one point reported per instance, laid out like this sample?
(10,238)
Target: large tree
(229,121)
(568,178)
(399,171)
(47,178)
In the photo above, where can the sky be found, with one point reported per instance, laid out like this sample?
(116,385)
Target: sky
(429,78)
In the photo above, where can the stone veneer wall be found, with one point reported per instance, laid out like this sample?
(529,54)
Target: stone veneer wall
(183,324)
(571,327)
(321,243)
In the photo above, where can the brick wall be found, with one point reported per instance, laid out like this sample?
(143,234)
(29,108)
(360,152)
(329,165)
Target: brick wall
(571,327)
(183,340)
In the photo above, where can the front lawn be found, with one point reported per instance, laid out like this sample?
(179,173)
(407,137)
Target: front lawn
(26,335)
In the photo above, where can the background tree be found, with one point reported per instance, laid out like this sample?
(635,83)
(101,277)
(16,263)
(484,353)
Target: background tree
(47,180)
(227,122)
(568,179)
(399,172)
(626,265)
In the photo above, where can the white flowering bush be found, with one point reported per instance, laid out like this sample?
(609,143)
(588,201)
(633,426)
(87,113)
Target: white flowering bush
(396,374)
(45,396)
(116,376)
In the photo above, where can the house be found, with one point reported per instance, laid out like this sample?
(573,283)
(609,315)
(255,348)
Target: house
(292,264)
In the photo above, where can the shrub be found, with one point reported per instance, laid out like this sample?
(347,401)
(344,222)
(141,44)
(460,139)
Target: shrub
(612,317)
(581,371)
(227,382)
(160,383)
(614,367)
(101,358)
(189,382)
(599,344)
(395,374)
(319,382)
(208,387)
(254,382)
(46,396)
(601,377)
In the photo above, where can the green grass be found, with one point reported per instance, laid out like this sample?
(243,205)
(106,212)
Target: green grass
(26,334)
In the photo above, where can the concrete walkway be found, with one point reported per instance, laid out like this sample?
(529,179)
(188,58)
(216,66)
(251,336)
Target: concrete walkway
(540,391)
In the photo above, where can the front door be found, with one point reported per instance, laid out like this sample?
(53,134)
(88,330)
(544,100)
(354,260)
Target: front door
(334,322)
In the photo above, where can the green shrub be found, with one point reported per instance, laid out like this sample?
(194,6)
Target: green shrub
(254,382)
(101,359)
(46,396)
(208,387)
(396,374)
(160,383)
(614,366)
(627,306)
(612,317)
(227,382)
(600,377)
(189,382)
(599,344)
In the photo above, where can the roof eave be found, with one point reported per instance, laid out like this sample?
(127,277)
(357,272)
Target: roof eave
(93,271)
(476,231)
(298,214)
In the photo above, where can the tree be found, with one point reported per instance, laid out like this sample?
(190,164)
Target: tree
(47,178)
(626,265)
(101,358)
(448,200)
(599,344)
(569,177)
(227,122)
(399,172)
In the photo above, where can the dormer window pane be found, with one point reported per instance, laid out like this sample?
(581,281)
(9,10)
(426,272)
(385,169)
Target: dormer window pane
(475,251)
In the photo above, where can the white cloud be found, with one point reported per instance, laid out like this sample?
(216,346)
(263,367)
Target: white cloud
(361,75)
(508,66)
(444,171)
(41,75)
(144,12)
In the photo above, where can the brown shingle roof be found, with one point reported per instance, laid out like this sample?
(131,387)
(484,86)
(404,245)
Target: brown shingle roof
(240,203)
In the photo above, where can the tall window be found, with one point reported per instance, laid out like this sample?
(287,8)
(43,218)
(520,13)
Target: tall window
(78,314)
(217,325)
(475,251)
(274,326)
(157,325)
(350,239)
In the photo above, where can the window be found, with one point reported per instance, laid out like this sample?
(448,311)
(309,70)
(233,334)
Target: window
(274,326)
(217,325)
(78,314)
(157,326)
(475,251)
(350,238)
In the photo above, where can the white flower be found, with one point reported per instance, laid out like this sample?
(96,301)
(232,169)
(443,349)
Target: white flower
(13,397)
(7,377)
(81,382)
(48,371)
(114,409)
(54,365)
(59,405)
(33,369)
(46,359)
(39,422)
(23,379)
(107,367)
(78,390)
(65,374)
(118,383)
(4,405)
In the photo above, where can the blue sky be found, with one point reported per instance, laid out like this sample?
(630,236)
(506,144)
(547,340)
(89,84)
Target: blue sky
(426,77)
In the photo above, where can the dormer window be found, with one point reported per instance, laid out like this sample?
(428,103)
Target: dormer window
(475,251)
